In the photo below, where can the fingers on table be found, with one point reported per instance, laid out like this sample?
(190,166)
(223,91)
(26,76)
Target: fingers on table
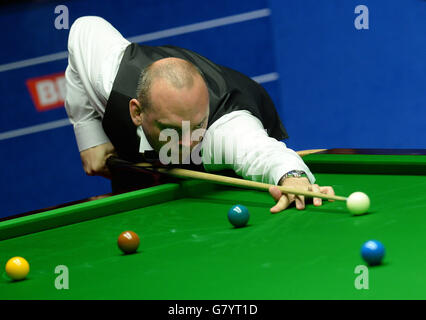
(281,201)
(328,190)
(300,201)
(275,193)
(316,188)
(325,190)
(281,204)
(284,200)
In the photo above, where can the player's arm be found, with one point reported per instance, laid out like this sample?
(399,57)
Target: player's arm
(93,144)
(252,154)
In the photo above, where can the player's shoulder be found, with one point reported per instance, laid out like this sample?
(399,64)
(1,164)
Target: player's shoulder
(86,21)
(88,24)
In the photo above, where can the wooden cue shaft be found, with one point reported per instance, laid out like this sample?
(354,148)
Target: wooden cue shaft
(184,173)
(303,153)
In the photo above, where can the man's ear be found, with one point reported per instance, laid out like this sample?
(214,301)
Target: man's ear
(135,109)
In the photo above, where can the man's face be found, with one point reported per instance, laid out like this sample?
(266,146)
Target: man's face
(170,108)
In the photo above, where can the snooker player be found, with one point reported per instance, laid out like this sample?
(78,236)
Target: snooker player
(121,97)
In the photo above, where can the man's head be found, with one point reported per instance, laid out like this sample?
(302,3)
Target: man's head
(170,90)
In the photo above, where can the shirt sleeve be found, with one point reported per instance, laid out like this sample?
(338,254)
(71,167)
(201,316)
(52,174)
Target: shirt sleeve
(239,141)
(95,49)
(86,120)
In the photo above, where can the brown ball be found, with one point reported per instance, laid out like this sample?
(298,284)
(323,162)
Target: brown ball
(128,242)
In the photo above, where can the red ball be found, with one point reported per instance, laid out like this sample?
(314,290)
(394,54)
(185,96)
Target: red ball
(128,242)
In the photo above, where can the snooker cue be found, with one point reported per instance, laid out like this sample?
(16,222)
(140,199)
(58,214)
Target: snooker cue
(236,182)
(303,153)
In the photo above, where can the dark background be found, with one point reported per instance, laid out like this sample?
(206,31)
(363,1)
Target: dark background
(333,85)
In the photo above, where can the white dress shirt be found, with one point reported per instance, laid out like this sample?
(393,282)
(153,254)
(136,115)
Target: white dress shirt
(95,51)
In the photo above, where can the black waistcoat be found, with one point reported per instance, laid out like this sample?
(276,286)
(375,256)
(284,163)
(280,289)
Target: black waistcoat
(229,90)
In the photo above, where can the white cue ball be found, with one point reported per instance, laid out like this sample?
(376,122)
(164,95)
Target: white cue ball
(358,203)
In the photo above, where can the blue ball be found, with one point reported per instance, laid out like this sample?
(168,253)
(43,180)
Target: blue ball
(238,215)
(373,252)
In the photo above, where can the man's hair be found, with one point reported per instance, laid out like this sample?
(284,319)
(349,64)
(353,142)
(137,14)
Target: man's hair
(178,73)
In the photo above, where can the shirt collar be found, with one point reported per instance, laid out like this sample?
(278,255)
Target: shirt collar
(144,145)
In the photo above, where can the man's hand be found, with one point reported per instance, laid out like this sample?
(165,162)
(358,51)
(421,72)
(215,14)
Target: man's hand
(94,160)
(284,200)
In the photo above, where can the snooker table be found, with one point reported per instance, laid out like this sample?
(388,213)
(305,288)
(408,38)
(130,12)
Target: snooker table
(189,250)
